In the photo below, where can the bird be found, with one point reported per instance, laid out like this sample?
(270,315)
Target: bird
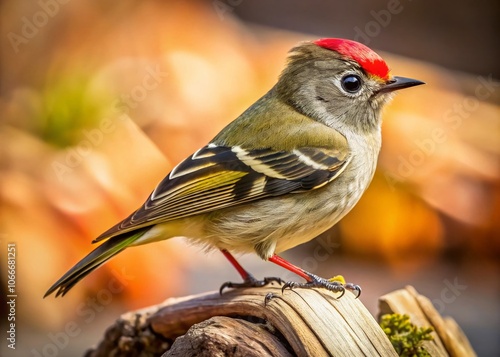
(286,170)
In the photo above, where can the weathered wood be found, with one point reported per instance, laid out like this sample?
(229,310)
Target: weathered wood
(305,322)
(449,339)
(301,322)
(225,336)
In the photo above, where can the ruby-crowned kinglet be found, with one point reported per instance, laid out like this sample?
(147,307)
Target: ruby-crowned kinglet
(287,169)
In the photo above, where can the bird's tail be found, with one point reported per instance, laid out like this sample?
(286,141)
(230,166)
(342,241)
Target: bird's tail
(93,260)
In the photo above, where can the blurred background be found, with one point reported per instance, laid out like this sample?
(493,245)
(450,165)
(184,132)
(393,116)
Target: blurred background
(99,99)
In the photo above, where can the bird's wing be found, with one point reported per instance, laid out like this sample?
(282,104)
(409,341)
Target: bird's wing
(217,177)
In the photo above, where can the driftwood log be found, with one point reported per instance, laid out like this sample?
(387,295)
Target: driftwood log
(296,323)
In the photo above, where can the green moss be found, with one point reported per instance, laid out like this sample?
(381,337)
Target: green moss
(405,337)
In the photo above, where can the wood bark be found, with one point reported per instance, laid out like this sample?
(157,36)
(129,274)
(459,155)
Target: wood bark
(298,322)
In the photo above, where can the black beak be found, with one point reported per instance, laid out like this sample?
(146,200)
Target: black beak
(397,83)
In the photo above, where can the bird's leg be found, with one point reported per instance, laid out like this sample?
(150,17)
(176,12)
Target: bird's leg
(336,284)
(248,279)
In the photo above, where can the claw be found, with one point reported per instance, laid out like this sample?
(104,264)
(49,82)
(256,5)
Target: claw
(353,288)
(290,285)
(342,293)
(268,298)
(225,285)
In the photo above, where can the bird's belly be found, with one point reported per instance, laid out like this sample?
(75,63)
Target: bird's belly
(281,223)
(327,211)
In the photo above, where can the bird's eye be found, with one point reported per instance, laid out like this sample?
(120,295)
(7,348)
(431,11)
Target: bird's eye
(351,83)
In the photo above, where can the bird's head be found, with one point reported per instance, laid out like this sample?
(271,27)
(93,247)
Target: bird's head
(339,82)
